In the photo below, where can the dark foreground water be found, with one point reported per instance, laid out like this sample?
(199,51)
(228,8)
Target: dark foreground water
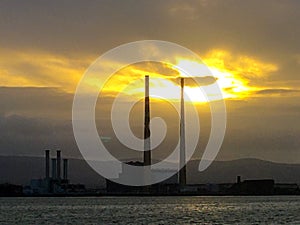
(151,210)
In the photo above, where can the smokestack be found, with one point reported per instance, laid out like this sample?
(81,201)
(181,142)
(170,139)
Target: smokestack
(65,175)
(58,163)
(47,164)
(238,179)
(182,172)
(147,152)
(53,168)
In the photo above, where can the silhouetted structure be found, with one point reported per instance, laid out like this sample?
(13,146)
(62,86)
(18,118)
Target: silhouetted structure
(176,184)
(253,187)
(54,176)
(182,172)
(147,147)
(286,189)
(165,187)
(7,190)
(173,185)
(65,175)
(58,164)
(238,179)
(54,185)
(47,164)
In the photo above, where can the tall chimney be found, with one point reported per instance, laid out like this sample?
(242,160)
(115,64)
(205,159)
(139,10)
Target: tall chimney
(58,163)
(47,164)
(53,168)
(65,175)
(147,150)
(182,172)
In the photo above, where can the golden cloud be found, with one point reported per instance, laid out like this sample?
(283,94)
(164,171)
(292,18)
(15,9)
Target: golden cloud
(232,72)
(40,69)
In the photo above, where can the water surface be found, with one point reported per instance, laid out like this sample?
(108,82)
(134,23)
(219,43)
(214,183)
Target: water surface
(151,210)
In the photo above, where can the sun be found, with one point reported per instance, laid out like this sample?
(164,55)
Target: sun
(164,82)
(231,85)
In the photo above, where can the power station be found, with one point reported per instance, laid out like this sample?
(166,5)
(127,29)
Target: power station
(176,181)
(57,183)
(56,167)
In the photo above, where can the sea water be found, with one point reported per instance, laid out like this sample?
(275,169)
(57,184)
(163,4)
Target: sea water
(151,210)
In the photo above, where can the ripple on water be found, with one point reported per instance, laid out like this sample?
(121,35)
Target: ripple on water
(151,210)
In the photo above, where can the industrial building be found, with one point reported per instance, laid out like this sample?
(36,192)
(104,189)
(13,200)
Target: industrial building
(253,187)
(166,187)
(7,190)
(177,184)
(172,185)
(55,184)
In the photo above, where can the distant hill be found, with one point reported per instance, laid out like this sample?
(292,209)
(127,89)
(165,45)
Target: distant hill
(19,170)
(226,171)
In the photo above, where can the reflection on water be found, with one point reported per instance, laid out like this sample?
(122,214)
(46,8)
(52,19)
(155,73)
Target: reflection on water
(151,210)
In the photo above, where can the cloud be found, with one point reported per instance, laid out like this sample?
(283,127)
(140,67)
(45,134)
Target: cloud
(236,74)
(40,69)
(255,44)
(244,66)
(189,11)
(32,119)
(196,81)
(40,102)
(279,91)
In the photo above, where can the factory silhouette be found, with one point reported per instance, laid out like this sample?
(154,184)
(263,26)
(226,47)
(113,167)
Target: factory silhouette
(177,184)
(171,185)
(58,183)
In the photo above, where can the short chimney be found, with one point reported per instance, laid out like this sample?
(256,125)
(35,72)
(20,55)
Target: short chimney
(58,164)
(47,164)
(65,175)
(53,168)
(238,179)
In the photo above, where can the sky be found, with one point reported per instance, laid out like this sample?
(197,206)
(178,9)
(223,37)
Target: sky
(251,47)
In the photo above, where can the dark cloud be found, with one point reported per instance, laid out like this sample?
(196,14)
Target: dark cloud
(271,26)
(21,135)
(279,91)
(35,102)
(264,127)
(156,67)
(196,81)
(268,30)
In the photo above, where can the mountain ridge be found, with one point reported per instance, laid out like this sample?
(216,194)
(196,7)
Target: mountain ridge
(20,169)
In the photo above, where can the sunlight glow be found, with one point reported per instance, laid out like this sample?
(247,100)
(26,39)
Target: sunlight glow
(233,74)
